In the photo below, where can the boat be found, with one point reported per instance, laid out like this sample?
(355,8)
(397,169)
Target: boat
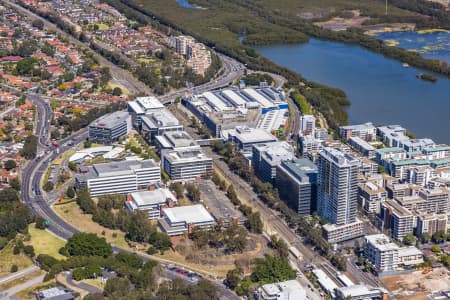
(405,65)
(427,77)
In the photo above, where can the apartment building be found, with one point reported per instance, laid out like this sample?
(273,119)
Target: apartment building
(362,146)
(296,182)
(370,196)
(151,202)
(430,223)
(365,131)
(307,125)
(119,177)
(266,158)
(109,128)
(386,256)
(337,194)
(187,164)
(180,220)
(427,200)
(397,218)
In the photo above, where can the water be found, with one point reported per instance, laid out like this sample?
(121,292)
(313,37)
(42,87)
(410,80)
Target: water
(434,45)
(380,89)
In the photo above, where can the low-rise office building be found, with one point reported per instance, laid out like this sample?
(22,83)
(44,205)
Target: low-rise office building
(172,140)
(334,233)
(245,137)
(285,290)
(296,182)
(151,202)
(361,292)
(119,177)
(109,128)
(187,164)
(182,219)
(386,256)
(266,158)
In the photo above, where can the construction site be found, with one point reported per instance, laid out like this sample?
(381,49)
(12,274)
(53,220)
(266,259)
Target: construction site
(418,284)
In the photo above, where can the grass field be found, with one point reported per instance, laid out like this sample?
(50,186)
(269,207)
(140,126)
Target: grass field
(72,214)
(94,282)
(7,259)
(44,242)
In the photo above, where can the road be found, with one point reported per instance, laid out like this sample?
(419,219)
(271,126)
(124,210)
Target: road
(8,294)
(18,274)
(42,125)
(32,194)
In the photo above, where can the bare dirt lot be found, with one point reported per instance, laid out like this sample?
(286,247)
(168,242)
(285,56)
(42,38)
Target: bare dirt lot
(416,285)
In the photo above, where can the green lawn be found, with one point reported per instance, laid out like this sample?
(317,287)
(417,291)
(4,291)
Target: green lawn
(7,259)
(44,242)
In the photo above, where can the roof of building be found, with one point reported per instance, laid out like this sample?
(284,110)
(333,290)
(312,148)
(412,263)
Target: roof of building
(359,290)
(111,120)
(276,152)
(186,155)
(147,103)
(409,251)
(160,118)
(120,168)
(391,149)
(179,139)
(286,290)
(247,135)
(324,280)
(56,293)
(302,168)
(397,208)
(190,214)
(359,127)
(362,143)
(382,242)
(157,196)
(339,157)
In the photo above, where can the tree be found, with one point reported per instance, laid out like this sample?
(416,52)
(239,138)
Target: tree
(279,245)
(29,251)
(29,149)
(193,192)
(131,260)
(27,66)
(88,244)
(14,268)
(272,269)
(254,222)
(10,164)
(48,186)
(70,192)
(39,24)
(117,288)
(160,241)
(425,237)
(439,237)
(409,239)
(117,91)
(40,222)
(435,249)
(178,188)
(234,277)
(339,262)
(72,165)
(15,183)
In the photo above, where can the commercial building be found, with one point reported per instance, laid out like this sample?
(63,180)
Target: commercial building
(245,137)
(386,256)
(186,164)
(55,293)
(285,290)
(337,194)
(108,152)
(119,177)
(365,131)
(151,118)
(361,292)
(266,158)
(151,202)
(109,128)
(223,110)
(182,219)
(307,125)
(397,218)
(296,182)
(172,140)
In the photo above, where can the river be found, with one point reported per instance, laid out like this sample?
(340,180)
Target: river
(380,89)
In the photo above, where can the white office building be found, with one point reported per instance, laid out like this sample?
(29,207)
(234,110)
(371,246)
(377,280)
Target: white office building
(119,177)
(187,164)
(151,201)
(286,290)
(266,158)
(245,137)
(182,219)
(109,128)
